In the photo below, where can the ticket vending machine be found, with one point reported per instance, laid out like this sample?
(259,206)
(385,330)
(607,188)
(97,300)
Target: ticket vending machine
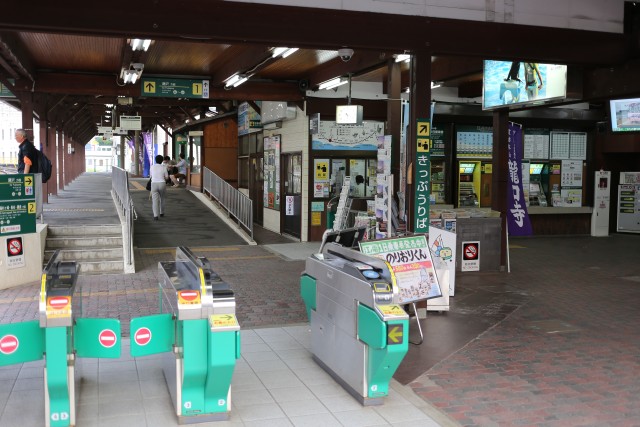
(538,184)
(601,204)
(60,336)
(199,335)
(469,183)
(359,334)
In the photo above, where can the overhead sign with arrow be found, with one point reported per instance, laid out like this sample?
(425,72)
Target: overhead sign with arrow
(174,88)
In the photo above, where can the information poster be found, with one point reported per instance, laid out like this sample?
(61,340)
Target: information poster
(411,264)
(271,169)
(475,141)
(17,204)
(470,256)
(321,182)
(332,136)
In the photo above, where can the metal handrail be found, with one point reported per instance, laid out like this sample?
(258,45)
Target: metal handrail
(237,205)
(120,190)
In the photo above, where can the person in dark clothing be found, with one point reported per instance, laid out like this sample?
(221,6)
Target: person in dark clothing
(27,155)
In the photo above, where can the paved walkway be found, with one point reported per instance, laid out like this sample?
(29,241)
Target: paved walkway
(554,343)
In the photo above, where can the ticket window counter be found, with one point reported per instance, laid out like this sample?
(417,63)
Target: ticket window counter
(469,177)
(362,173)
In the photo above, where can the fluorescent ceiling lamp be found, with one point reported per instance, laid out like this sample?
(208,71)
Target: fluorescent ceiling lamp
(290,52)
(232,80)
(333,83)
(403,57)
(240,81)
(435,85)
(140,44)
(277,51)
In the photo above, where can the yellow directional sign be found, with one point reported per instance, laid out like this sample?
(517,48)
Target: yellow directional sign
(197,89)
(395,334)
(28,181)
(149,87)
(223,321)
(423,145)
(31,207)
(423,129)
(391,310)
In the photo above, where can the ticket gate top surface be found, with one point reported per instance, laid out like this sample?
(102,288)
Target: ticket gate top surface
(191,289)
(58,286)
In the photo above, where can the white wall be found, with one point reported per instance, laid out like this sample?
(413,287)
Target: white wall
(591,15)
(294,137)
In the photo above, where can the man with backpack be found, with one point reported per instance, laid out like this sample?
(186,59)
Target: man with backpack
(27,153)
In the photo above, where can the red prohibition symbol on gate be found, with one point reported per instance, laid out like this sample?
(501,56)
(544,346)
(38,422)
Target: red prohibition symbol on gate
(14,246)
(9,344)
(142,336)
(107,338)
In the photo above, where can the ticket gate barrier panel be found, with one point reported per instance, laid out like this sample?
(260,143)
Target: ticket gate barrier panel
(59,336)
(359,334)
(199,335)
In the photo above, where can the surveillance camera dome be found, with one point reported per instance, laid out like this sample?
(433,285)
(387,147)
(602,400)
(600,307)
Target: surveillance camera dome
(345,54)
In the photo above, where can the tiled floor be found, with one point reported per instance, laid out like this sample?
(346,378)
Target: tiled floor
(275,383)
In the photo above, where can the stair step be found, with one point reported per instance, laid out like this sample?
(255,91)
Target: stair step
(87,254)
(84,230)
(83,242)
(101,267)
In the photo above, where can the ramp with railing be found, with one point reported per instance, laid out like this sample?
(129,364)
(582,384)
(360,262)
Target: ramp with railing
(120,192)
(238,206)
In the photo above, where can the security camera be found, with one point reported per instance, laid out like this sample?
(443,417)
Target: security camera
(137,66)
(345,54)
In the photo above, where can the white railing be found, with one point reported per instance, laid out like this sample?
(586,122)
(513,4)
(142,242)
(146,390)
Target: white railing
(120,191)
(233,201)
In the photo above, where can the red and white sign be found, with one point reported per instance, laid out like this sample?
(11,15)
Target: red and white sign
(189,297)
(470,256)
(59,303)
(9,344)
(107,338)
(142,336)
(14,246)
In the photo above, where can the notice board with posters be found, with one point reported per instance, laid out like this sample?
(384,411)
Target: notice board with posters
(411,263)
(271,168)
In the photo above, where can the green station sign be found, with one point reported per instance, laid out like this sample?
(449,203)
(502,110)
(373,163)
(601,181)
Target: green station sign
(174,88)
(17,187)
(4,90)
(17,217)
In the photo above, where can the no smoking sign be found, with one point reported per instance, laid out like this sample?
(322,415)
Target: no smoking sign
(470,256)
(15,252)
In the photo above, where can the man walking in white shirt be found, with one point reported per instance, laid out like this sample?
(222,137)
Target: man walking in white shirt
(159,175)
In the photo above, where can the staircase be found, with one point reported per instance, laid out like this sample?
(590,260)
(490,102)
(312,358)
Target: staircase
(97,249)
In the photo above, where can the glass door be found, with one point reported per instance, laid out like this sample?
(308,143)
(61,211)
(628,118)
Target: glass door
(292,219)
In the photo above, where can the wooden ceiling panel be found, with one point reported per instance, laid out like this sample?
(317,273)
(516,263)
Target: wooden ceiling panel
(73,53)
(183,58)
(297,65)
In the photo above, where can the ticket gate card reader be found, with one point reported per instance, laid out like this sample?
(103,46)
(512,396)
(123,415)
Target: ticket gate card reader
(199,333)
(62,336)
(359,334)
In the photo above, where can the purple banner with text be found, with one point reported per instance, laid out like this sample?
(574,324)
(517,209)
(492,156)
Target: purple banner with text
(517,216)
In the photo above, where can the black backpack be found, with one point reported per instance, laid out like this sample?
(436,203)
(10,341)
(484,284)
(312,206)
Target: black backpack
(44,166)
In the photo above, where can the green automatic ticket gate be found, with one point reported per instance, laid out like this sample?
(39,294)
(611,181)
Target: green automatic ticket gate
(60,336)
(359,334)
(199,333)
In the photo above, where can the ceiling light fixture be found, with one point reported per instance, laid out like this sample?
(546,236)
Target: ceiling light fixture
(236,80)
(403,57)
(284,51)
(333,83)
(140,44)
(290,51)
(435,85)
(133,73)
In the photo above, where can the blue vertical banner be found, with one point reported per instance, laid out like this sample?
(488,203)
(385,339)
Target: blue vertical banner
(517,216)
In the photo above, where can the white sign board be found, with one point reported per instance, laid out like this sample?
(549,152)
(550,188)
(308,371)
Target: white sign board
(470,256)
(443,247)
(289,206)
(15,253)
(131,122)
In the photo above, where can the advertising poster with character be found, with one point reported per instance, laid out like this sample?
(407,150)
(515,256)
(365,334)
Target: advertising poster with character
(412,265)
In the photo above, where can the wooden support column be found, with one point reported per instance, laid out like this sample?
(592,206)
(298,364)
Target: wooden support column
(52,154)
(419,108)
(499,176)
(26,106)
(394,119)
(44,147)
(61,150)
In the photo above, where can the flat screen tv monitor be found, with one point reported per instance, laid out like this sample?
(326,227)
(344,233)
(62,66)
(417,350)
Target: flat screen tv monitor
(514,84)
(625,115)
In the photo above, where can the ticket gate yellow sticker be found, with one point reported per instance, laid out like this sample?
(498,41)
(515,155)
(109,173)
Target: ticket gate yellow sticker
(395,334)
(223,321)
(189,297)
(392,310)
(58,307)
